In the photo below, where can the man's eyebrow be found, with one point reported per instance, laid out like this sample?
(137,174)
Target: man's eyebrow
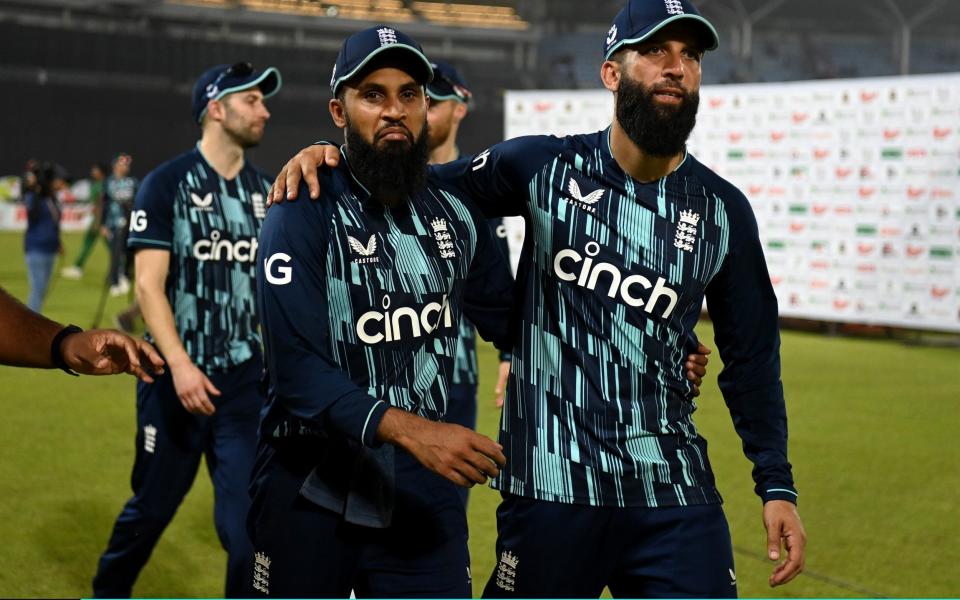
(366,87)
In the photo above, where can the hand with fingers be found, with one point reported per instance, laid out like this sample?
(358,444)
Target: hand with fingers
(697,366)
(303,167)
(107,352)
(784,531)
(194,389)
(461,455)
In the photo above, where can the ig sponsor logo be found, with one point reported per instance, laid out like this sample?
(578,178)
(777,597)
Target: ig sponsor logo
(278,275)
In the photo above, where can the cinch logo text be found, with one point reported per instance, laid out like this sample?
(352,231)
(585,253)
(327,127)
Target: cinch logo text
(243,251)
(402,323)
(565,265)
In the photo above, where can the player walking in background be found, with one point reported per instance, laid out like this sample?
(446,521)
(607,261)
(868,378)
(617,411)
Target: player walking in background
(360,296)
(626,234)
(98,173)
(194,228)
(119,190)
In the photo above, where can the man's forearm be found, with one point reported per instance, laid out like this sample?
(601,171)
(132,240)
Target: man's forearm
(760,419)
(158,316)
(26,337)
(398,427)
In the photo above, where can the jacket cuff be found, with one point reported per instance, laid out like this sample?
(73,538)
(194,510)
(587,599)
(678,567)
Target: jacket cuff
(768,493)
(357,416)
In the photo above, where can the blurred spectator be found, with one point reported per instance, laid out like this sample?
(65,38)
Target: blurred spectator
(28,181)
(119,190)
(41,243)
(98,173)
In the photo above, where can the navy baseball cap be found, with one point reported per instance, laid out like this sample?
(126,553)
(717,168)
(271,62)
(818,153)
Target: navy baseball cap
(362,47)
(221,80)
(447,84)
(640,19)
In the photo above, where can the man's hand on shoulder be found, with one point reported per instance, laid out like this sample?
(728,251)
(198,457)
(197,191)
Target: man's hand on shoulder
(783,526)
(303,166)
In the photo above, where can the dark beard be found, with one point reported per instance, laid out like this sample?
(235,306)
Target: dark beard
(659,132)
(390,174)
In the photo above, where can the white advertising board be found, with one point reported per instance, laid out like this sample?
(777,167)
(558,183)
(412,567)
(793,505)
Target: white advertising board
(855,184)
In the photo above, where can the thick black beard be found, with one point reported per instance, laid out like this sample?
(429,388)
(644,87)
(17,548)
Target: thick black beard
(657,131)
(390,174)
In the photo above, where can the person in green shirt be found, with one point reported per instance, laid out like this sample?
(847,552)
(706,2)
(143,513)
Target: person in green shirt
(98,173)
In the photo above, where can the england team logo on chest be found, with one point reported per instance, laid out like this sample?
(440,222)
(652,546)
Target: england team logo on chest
(259,208)
(687,229)
(442,235)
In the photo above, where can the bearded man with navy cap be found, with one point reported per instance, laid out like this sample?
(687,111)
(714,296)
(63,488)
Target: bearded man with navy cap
(360,294)
(607,480)
(194,229)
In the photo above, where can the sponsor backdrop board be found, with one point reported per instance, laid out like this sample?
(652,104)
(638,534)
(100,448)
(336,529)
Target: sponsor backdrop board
(855,184)
(74,217)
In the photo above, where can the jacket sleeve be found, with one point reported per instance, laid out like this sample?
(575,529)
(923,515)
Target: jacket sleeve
(488,292)
(151,223)
(496,179)
(293,303)
(743,307)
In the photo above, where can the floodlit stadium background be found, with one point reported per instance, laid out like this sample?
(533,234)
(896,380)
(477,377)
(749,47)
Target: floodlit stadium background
(872,416)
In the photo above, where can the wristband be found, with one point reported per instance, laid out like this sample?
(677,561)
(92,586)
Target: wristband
(56,353)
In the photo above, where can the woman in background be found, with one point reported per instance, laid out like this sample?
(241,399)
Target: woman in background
(42,240)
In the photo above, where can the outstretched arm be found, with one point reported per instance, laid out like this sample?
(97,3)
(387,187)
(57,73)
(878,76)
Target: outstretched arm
(28,338)
(495,179)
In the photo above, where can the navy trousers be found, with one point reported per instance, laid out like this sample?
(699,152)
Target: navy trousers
(170,443)
(305,551)
(554,550)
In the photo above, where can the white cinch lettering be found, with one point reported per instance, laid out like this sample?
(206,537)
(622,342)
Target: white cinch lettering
(587,275)
(242,251)
(374,327)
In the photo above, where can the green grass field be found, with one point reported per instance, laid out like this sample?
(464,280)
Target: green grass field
(873,445)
